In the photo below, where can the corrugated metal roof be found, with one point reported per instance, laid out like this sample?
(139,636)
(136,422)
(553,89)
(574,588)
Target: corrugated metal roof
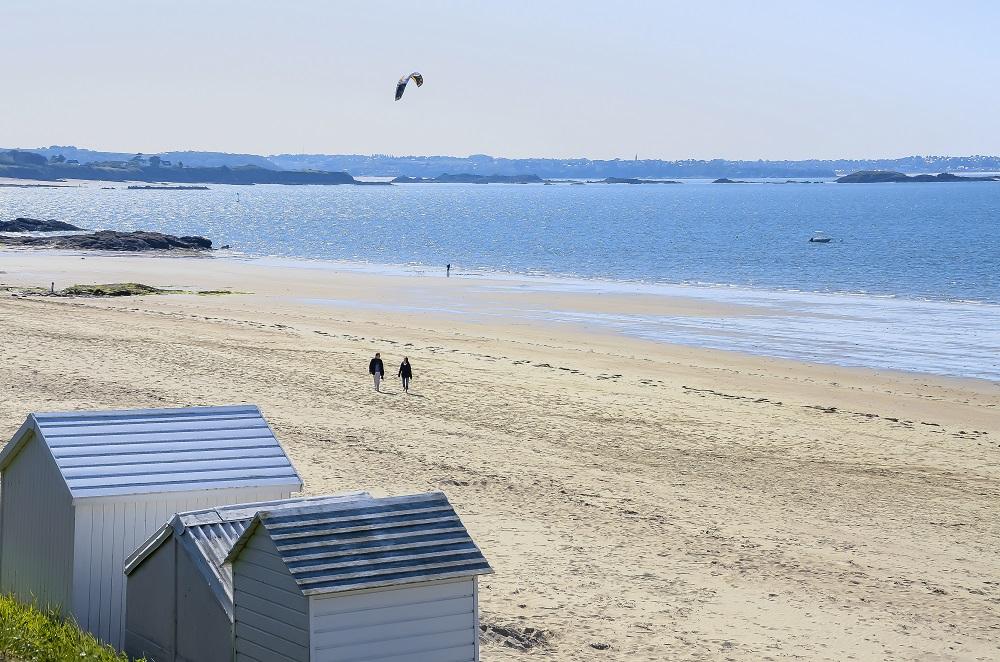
(109,453)
(349,546)
(209,534)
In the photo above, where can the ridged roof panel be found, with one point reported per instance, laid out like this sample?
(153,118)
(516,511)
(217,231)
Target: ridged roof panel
(381,542)
(110,453)
(209,534)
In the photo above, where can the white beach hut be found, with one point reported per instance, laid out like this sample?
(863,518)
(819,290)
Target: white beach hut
(393,579)
(80,490)
(179,589)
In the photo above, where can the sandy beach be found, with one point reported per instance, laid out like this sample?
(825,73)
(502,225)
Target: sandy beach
(638,500)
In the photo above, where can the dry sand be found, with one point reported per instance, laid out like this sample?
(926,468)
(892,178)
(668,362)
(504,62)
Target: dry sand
(666,502)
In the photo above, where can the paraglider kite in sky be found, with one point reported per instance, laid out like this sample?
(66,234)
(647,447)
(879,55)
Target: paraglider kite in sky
(401,85)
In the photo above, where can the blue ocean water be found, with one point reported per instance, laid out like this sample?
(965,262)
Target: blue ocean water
(911,280)
(937,241)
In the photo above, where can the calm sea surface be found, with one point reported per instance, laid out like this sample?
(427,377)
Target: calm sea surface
(935,244)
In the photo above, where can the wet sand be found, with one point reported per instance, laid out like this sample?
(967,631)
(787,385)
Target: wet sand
(670,502)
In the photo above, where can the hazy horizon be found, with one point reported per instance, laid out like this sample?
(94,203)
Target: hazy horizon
(670,81)
(473,154)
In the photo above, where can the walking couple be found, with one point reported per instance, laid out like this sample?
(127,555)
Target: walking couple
(377,371)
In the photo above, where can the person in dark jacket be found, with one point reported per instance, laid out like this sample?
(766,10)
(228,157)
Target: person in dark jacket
(405,373)
(376,369)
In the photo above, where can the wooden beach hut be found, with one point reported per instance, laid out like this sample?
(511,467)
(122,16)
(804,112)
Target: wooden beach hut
(179,588)
(379,580)
(80,490)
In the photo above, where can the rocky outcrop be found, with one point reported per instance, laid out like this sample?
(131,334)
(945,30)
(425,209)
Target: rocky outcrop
(36,225)
(110,240)
(890,176)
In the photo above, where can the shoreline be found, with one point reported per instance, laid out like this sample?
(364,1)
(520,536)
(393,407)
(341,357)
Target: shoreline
(952,339)
(659,498)
(601,283)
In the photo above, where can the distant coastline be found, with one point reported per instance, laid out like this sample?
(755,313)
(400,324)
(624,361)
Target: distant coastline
(470,179)
(168,188)
(432,166)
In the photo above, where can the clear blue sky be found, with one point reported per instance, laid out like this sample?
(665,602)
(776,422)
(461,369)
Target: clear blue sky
(514,78)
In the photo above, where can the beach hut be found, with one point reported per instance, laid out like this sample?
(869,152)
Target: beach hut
(80,490)
(377,580)
(179,589)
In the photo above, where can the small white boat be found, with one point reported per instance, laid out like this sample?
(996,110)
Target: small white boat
(820,238)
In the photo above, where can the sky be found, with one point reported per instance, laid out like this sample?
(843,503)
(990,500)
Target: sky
(545,78)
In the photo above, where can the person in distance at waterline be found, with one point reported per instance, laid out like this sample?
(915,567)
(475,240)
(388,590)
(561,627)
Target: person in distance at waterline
(405,373)
(376,369)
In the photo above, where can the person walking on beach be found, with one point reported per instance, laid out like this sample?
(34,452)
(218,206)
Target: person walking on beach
(447,270)
(376,369)
(405,373)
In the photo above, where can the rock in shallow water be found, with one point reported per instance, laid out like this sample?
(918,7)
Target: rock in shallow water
(36,225)
(111,240)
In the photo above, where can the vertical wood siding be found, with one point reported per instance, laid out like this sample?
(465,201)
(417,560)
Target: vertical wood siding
(272,620)
(109,530)
(429,622)
(37,521)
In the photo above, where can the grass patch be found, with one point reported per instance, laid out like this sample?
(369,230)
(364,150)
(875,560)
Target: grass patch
(30,635)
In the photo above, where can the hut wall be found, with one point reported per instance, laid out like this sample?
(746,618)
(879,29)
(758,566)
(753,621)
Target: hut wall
(109,529)
(36,525)
(271,614)
(428,621)
(204,632)
(149,628)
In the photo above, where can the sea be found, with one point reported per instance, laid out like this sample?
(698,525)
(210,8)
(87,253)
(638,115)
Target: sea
(910,280)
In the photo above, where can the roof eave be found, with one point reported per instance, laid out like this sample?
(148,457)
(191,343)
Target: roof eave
(295,484)
(17,441)
(395,582)
(282,447)
(241,542)
(151,545)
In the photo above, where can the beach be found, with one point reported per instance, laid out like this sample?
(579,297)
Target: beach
(639,500)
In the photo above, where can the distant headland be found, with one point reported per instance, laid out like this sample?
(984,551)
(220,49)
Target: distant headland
(888,176)
(139,168)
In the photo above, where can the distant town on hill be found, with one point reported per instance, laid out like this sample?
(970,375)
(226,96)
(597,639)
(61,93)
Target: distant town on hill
(220,167)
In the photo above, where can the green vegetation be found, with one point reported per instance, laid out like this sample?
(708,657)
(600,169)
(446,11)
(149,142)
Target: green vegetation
(30,635)
(20,164)
(111,290)
(107,290)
